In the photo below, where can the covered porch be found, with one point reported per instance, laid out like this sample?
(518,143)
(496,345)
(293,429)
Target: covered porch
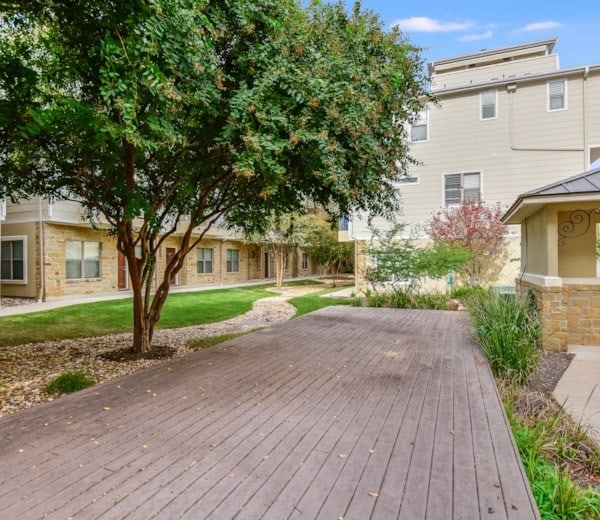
(560,226)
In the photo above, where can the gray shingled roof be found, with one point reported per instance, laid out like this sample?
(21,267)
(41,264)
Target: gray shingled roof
(586,182)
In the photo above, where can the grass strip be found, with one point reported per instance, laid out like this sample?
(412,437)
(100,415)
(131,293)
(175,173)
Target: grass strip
(113,316)
(313,301)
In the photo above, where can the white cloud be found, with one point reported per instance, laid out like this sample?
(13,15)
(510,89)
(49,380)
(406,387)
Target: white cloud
(540,26)
(424,24)
(475,37)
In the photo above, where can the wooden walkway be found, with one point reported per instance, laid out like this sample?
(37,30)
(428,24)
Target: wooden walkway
(345,413)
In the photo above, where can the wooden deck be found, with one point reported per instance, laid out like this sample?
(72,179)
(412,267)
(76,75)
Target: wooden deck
(345,413)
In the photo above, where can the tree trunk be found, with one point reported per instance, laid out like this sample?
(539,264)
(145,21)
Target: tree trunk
(142,329)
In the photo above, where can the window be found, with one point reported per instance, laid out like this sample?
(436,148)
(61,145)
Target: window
(488,104)
(418,130)
(557,95)
(233,260)
(344,221)
(461,186)
(82,259)
(204,260)
(12,259)
(304,261)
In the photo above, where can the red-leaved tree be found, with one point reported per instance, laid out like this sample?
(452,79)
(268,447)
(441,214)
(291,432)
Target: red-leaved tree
(477,228)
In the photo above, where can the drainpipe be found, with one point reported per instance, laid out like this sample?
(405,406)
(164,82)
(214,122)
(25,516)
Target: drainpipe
(42,288)
(584,101)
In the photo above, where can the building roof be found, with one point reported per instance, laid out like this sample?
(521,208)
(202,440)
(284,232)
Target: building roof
(545,46)
(586,182)
(584,186)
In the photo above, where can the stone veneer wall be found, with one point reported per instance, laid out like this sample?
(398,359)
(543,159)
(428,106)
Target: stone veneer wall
(570,313)
(57,284)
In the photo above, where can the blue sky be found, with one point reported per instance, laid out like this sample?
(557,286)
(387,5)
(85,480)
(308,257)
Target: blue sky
(450,28)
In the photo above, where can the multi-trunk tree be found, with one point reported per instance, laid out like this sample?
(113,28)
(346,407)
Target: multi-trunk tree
(164,116)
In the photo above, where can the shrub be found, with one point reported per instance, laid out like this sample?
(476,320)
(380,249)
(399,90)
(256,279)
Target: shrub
(467,293)
(69,382)
(377,299)
(509,331)
(546,446)
(431,301)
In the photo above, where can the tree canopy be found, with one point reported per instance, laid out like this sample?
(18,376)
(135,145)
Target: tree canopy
(165,115)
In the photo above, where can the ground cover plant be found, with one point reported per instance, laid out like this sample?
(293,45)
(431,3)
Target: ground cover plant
(69,382)
(559,457)
(210,341)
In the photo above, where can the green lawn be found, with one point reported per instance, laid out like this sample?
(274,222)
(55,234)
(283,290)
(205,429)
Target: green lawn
(313,302)
(181,310)
(95,319)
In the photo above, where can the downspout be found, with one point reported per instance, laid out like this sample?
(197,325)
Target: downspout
(42,289)
(584,102)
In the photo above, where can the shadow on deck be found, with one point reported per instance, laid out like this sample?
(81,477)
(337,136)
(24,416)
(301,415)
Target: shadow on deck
(352,413)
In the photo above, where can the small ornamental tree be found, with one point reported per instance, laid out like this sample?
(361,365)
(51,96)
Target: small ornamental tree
(322,245)
(280,236)
(478,229)
(399,261)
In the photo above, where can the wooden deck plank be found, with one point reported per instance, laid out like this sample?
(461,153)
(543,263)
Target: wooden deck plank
(358,413)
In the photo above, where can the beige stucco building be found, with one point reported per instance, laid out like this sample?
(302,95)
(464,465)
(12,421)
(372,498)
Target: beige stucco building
(560,230)
(50,251)
(505,122)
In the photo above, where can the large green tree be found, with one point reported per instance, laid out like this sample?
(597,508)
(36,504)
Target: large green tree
(164,116)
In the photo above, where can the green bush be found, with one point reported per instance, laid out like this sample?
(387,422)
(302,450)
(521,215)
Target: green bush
(555,493)
(509,331)
(432,301)
(377,299)
(69,382)
(467,294)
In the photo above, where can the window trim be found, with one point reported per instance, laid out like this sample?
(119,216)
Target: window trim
(203,261)
(229,263)
(82,260)
(462,194)
(16,238)
(423,116)
(481,105)
(565,95)
(304,262)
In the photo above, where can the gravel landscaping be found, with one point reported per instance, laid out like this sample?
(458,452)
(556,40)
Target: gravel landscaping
(27,369)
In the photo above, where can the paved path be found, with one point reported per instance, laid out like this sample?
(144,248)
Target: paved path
(344,413)
(579,388)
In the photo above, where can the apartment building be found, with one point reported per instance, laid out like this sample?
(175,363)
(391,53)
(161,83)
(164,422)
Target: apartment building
(505,121)
(50,251)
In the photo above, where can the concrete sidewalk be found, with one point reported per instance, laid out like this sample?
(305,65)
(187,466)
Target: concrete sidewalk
(579,388)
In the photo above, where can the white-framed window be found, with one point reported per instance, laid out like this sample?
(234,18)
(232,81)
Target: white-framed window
(489,104)
(304,261)
(419,128)
(13,259)
(82,259)
(204,260)
(557,95)
(461,186)
(233,260)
